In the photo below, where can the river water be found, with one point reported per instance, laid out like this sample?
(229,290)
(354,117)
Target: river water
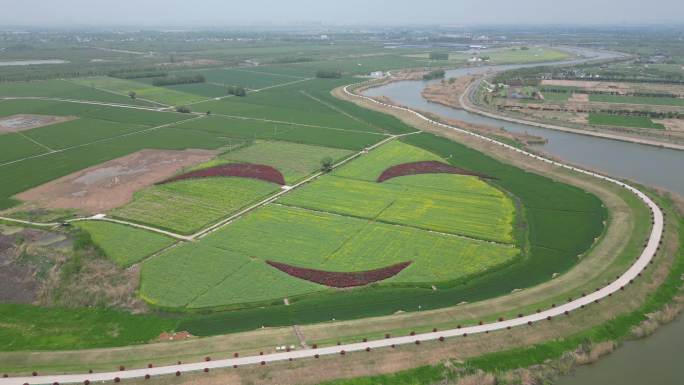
(655,360)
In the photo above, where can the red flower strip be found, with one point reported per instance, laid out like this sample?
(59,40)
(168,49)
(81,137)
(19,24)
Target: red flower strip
(240,170)
(425,167)
(337,279)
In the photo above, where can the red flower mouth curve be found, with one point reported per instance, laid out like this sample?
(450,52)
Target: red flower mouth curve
(341,279)
(240,170)
(425,167)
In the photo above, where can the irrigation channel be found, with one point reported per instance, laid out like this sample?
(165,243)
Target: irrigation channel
(558,311)
(654,360)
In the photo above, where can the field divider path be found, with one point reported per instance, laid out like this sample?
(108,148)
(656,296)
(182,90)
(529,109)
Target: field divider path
(248,91)
(118,93)
(625,279)
(240,117)
(336,109)
(148,129)
(395,224)
(35,141)
(202,233)
(80,101)
(238,69)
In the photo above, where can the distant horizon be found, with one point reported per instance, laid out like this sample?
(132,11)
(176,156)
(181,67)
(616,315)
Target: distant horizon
(675,25)
(214,14)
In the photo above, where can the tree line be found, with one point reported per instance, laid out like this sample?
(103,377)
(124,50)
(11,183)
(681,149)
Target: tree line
(177,80)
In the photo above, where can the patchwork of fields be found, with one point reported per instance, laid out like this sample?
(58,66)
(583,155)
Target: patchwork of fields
(123,244)
(446,225)
(462,237)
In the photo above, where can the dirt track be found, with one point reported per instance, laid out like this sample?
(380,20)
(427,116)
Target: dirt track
(112,184)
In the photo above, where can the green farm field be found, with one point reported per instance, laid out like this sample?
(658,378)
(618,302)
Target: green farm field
(252,79)
(189,205)
(313,240)
(460,205)
(294,160)
(123,244)
(344,224)
(470,238)
(64,89)
(623,121)
(657,101)
(301,103)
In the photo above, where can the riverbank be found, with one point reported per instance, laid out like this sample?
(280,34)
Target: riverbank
(465,102)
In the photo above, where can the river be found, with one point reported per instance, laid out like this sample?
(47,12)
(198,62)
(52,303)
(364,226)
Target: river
(655,360)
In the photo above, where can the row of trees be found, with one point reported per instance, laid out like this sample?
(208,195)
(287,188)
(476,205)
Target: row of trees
(329,74)
(176,80)
(439,56)
(436,74)
(137,74)
(237,91)
(613,93)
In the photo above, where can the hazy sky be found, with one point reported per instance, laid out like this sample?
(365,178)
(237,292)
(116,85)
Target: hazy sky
(227,12)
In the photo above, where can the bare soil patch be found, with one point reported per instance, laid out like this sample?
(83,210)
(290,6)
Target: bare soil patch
(17,283)
(112,184)
(579,98)
(672,124)
(23,122)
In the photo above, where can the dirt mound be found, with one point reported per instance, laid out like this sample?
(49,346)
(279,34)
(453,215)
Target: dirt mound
(240,170)
(341,280)
(425,167)
(23,122)
(177,336)
(112,184)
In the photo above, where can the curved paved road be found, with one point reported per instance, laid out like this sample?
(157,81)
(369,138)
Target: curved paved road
(643,260)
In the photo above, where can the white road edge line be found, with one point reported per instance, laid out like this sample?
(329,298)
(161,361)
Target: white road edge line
(644,259)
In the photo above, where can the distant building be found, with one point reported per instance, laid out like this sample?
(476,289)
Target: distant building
(377,74)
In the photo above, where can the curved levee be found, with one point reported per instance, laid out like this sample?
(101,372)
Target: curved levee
(634,270)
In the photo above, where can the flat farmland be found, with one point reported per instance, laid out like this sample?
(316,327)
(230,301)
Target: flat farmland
(248,77)
(123,244)
(371,165)
(309,239)
(188,205)
(478,211)
(623,121)
(291,103)
(142,89)
(16,146)
(114,114)
(64,89)
(79,131)
(657,101)
(253,129)
(294,160)
(199,275)
(203,90)
(360,65)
